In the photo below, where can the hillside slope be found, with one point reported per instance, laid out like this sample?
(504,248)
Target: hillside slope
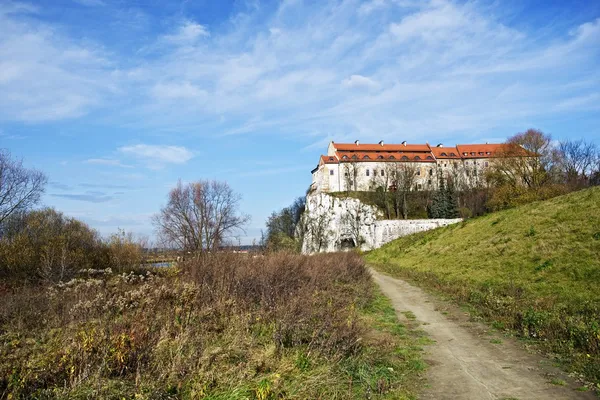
(534,269)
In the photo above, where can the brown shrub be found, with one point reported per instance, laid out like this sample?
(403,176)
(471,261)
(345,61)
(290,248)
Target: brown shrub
(223,318)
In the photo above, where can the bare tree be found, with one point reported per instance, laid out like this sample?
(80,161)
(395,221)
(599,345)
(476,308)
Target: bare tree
(353,221)
(316,231)
(200,216)
(380,184)
(20,188)
(351,170)
(403,177)
(527,160)
(576,159)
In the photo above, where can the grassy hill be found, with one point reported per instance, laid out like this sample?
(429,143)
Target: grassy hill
(534,269)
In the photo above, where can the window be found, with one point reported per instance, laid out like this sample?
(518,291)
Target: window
(346,174)
(354,157)
(444,155)
(419,186)
(330,158)
(465,154)
(345,157)
(392,158)
(404,158)
(481,153)
(367,172)
(330,172)
(379,157)
(417,158)
(419,172)
(452,155)
(366,158)
(487,164)
(430,172)
(473,153)
(429,182)
(382,173)
(488,153)
(429,158)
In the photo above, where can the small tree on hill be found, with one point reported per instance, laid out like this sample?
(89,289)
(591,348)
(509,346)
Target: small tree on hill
(443,204)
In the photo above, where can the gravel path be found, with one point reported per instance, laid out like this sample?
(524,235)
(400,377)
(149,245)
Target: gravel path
(470,361)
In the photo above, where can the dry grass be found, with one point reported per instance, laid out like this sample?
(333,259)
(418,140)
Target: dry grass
(222,327)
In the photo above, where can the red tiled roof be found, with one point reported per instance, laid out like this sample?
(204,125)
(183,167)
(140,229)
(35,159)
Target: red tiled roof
(445,152)
(381,147)
(384,156)
(328,160)
(481,150)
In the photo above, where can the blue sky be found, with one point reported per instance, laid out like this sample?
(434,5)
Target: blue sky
(118,99)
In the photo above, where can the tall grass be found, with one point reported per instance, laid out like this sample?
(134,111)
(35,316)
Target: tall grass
(223,326)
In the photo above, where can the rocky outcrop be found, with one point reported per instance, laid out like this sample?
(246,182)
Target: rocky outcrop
(337,224)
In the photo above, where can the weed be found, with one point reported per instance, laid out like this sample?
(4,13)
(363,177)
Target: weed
(545,265)
(496,341)
(558,382)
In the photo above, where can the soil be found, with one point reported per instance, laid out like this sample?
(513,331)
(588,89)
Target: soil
(469,360)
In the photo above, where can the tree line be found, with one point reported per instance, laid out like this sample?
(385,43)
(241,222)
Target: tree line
(46,245)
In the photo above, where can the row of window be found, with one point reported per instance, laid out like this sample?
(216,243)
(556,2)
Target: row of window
(403,158)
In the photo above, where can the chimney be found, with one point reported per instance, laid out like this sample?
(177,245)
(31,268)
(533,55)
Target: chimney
(356,142)
(404,143)
(381,142)
(440,145)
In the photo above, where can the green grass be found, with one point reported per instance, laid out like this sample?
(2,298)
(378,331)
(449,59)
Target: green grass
(534,270)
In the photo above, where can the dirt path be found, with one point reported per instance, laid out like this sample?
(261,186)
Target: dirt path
(467,360)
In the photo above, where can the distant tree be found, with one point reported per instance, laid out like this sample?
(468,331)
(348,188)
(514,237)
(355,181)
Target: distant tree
(20,188)
(403,177)
(285,228)
(444,203)
(380,184)
(527,160)
(317,230)
(351,170)
(576,160)
(46,244)
(200,216)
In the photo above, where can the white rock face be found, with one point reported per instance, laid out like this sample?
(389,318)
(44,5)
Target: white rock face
(334,224)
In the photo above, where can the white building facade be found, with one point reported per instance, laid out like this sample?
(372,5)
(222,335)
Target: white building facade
(364,167)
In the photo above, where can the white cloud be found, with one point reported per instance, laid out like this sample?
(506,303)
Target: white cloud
(188,32)
(44,74)
(359,81)
(413,67)
(159,154)
(107,161)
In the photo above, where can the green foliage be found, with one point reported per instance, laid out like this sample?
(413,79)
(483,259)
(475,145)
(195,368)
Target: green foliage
(285,228)
(545,287)
(443,203)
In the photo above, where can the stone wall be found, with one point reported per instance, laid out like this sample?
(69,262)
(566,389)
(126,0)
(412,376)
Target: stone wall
(334,224)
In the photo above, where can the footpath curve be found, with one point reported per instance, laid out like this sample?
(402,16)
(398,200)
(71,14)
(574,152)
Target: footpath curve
(467,361)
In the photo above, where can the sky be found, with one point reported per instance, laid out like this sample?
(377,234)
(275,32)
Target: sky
(116,100)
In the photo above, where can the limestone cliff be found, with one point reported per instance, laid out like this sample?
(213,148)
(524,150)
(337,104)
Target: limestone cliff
(336,224)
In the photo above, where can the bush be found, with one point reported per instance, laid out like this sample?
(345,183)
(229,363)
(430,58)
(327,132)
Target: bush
(224,322)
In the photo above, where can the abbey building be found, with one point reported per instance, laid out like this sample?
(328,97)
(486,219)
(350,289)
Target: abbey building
(363,167)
